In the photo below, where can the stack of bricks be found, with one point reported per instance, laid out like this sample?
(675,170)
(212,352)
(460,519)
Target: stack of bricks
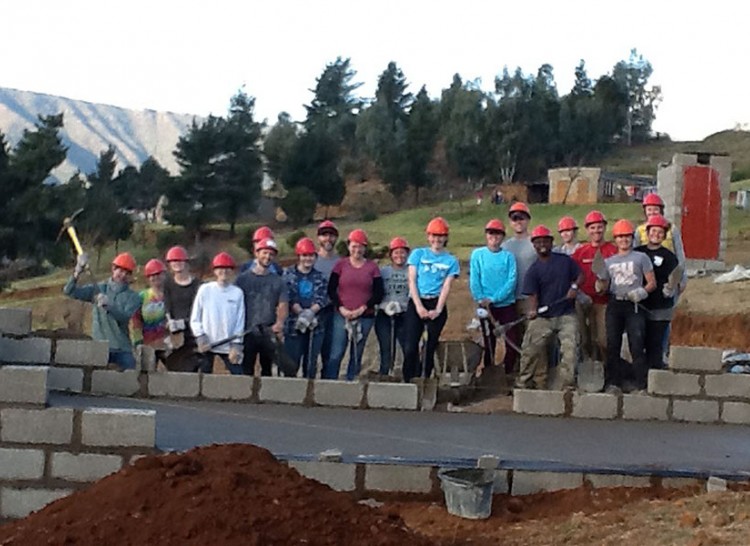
(695,389)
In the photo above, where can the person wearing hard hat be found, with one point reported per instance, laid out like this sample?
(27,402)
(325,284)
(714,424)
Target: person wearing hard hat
(592,306)
(261,234)
(219,313)
(389,320)
(327,235)
(551,286)
(432,270)
(115,303)
(568,230)
(355,288)
(628,278)
(308,292)
(180,290)
(492,281)
(149,324)
(266,308)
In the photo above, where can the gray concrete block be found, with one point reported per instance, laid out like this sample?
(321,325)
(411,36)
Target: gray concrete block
(227,387)
(284,390)
(21,464)
(698,411)
(671,383)
(28,350)
(387,477)
(337,476)
(729,385)
(18,503)
(338,393)
(174,384)
(538,402)
(84,467)
(404,396)
(24,384)
(65,379)
(118,427)
(714,484)
(82,352)
(680,483)
(695,359)
(594,405)
(16,322)
(737,413)
(641,407)
(617,480)
(501,485)
(123,383)
(526,482)
(488,461)
(37,426)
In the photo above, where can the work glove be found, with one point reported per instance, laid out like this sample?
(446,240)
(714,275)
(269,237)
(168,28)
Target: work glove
(600,286)
(354,330)
(637,294)
(176,325)
(82,261)
(101,300)
(308,314)
(482,313)
(667,290)
(584,299)
(202,343)
(302,324)
(235,354)
(392,308)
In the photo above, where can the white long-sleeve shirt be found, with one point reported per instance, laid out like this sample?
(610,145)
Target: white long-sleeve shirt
(218,312)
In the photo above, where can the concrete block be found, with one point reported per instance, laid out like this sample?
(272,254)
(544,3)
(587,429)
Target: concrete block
(65,379)
(737,413)
(404,396)
(538,402)
(123,383)
(338,393)
(174,384)
(16,322)
(387,477)
(488,461)
(671,383)
(37,426)
(680,483)
(23,384)
(699,411)
(284,390)
(227,387)
(18,503)
(337,476)
(705,359)
(82,352)
(714,484)
(617,480)
(640,407)
(526,482)
(501,485)
(118,427)
(84,467)
(28,350)
(594,405)
(21,464)
(729,385)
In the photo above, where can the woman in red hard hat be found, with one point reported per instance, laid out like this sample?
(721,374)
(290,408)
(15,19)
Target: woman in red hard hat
(180,290)
(568,230)
(653,205)
(149,324)
(389,321)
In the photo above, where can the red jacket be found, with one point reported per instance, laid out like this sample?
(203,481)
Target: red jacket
(584,256)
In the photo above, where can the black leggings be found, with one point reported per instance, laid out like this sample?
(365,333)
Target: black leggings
(415,326)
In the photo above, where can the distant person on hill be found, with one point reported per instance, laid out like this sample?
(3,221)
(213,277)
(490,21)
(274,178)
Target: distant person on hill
(327,235)
(389,320)
(180,290)
(149,324)
(568,230)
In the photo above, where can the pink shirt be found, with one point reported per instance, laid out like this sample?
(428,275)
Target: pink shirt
(355,283)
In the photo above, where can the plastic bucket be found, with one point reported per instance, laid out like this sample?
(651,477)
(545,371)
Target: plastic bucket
(468,491)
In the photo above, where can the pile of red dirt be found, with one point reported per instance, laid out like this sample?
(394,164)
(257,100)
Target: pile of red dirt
(719,331)
(229,495)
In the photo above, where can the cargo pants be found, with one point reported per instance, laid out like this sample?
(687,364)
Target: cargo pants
(539,333)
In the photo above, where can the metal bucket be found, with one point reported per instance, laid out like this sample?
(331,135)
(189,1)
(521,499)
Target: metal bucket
(468,491)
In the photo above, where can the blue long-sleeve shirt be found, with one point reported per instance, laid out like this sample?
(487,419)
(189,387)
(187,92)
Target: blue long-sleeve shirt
(492,276)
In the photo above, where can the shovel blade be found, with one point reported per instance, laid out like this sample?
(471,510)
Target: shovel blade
(591,375)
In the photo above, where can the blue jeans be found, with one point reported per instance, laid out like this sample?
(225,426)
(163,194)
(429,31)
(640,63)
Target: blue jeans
(383,332)
(298,346)
(339,343)
(325,323)
(124,359)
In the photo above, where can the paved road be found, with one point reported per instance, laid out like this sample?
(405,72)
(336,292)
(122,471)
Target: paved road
(521,441)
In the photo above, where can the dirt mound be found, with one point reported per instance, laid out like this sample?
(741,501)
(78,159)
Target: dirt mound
(719,331)
(230,495)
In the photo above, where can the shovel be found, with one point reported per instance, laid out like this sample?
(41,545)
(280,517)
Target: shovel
(598,266)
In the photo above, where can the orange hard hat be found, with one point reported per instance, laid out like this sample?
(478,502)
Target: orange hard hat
(304,246)
(154,267)
(494,225)
(437,226)
(594,217)
(653,199)
(566,223)
(541,231)
(177,254)
(358,236)
(657,220)
(267,244)
(263,232)
(125,260)
(398,242)
(519,206)
(622,227)
(327,226)
(223,259)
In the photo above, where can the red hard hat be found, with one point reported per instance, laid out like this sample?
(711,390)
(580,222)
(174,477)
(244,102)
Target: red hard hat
(154,267)
(304,246)
(267,244)
(327,225)
(657,220)
(223,259)
(263,232)
(494,225)
(519,206)
(594,217)
(437,226)
(622,227)
(177,254)
(125,260)
(358,236)
(398,242)
(566,223)
(541,231)
(653,199)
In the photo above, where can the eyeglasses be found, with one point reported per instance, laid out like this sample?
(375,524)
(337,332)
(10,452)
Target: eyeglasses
(518,217)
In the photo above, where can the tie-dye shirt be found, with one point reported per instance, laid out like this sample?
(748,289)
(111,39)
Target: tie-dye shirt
(149,324)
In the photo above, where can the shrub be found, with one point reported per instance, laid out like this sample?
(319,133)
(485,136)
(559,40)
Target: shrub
(299,206)
(295,236)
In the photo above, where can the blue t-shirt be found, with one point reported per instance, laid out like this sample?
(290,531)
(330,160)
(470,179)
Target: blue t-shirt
(492,276)
(432,270)
(549,280)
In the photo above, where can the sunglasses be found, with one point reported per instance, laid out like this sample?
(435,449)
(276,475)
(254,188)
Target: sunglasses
(518,217)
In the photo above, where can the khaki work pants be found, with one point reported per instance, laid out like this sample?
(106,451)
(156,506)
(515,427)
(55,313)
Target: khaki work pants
(593,330)
(539,332)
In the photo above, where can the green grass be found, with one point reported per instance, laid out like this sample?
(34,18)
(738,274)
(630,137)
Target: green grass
(740,185)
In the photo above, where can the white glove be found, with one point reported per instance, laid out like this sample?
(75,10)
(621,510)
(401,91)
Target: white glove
(482,313)
(637,294)
(202,343)
(82,261)
(392,308)
(354,328)
(176,325)
(667,290)
(235,354)
(600,286)
(101,300)
(302,324)
(308,314)
(584,299)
